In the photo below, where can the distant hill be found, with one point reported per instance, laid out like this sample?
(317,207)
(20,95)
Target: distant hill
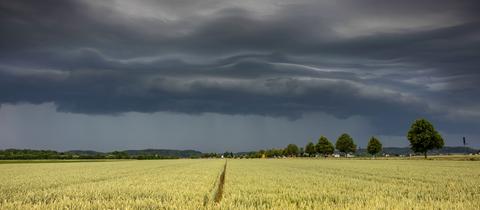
(144,152)
(84,152)
(10,154)
(406,150)
(164,153)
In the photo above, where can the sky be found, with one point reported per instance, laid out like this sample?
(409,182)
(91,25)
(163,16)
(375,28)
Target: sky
(218,75)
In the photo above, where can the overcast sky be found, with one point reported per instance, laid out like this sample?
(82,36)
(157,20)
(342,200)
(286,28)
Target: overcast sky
(216,75)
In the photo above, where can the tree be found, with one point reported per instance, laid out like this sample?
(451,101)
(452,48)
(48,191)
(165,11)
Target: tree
(291,150)
(310,149)
(423,137)
(324,146)
(374,146)
(345,144)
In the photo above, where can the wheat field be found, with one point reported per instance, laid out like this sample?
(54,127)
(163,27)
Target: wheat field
(352,184)
(249,184)
(164,184)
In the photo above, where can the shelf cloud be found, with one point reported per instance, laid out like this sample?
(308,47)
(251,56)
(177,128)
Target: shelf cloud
(389,62)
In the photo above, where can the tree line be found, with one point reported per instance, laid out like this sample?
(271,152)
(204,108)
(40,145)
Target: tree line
(421,135)
(323,147)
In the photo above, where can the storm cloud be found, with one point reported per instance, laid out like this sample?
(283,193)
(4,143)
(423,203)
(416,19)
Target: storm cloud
(387,61)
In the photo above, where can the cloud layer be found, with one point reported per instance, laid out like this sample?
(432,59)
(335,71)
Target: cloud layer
(390,62)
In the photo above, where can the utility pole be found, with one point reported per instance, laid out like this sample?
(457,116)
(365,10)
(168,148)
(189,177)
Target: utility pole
(464,146)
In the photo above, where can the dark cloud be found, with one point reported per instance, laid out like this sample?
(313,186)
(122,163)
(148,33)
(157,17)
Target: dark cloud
(389,62)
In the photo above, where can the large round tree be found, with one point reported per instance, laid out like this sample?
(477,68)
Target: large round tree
(345,144)
(324,146)
(374,146)
(291,150)
(423,137)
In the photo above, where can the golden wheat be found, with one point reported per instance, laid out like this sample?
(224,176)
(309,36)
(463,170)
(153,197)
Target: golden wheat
(352,184)
(164,184)
(249,184)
